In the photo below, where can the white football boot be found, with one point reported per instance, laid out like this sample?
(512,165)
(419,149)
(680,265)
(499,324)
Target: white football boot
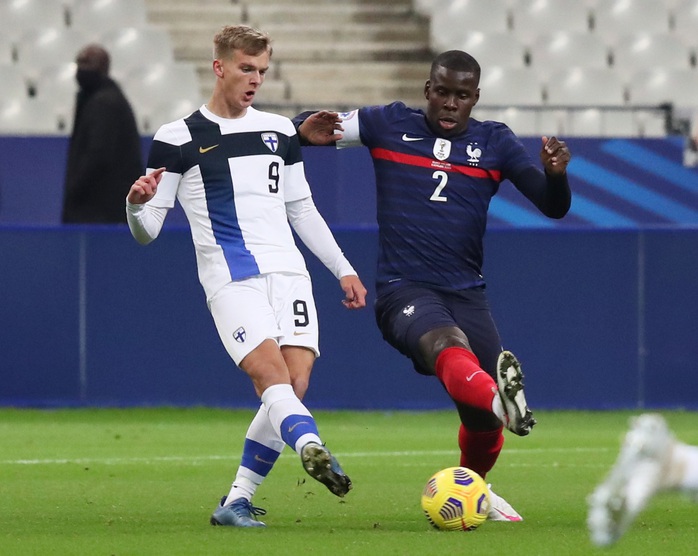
(501,510)
(518,418)
(636,476)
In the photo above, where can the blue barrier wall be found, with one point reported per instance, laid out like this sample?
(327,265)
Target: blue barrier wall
(600,319)
(600,311)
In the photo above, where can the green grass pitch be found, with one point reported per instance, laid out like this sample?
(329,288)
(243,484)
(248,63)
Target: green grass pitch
(144,482)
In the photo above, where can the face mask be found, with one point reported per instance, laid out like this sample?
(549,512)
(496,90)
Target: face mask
(88,80)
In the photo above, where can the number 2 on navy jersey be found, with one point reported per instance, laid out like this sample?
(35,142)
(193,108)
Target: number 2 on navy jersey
(443,179)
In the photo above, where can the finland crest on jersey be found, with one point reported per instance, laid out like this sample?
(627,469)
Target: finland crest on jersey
(271,140)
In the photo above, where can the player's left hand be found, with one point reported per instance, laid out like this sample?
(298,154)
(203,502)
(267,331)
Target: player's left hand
(354,292)
(322,128)
(555,156)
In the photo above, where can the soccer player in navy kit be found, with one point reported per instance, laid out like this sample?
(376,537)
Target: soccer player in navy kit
(238,174)
(436,172)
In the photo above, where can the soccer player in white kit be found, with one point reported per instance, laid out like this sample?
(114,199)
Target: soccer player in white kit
(238,174)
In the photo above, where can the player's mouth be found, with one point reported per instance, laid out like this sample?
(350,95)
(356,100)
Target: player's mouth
(249,95)
(448,123)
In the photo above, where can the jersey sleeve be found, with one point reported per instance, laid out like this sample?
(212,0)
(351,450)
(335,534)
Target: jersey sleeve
(166,151)
(295,183)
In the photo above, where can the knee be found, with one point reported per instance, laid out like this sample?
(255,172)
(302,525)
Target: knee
(434,342)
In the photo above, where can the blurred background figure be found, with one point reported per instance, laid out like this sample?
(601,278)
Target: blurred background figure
(651,460)
(104,155)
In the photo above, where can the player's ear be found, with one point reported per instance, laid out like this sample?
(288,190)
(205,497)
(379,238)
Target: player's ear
(477,96)
(218,68)
(427,86)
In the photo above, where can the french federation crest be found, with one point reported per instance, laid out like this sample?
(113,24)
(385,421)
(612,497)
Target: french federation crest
(442,149)
(271,140)
(474,154)
(240,335)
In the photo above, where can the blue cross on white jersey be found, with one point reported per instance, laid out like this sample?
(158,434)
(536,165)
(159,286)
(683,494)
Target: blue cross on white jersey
(271,141)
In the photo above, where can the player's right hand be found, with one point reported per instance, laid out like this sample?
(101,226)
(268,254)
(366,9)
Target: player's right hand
(145,187)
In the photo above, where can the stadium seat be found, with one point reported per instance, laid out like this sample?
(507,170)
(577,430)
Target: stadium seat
(137,46)
(99,16)
(646,50)
(613,18)
(56,86)
(27,117)
(12,83)
(592,87)
(7,49)
(595,122)
(521,121)
(447,24)
(493,48)
(510,87)
(685,17)
(561,49)
(19,16)
(42,48)
(531,18)
(152,84)
(659,85)
(167,111)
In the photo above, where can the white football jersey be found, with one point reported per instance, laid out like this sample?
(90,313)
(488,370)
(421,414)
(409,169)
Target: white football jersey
(233,178)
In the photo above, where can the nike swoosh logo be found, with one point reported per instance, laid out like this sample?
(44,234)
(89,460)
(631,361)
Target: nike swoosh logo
(257,458)
(203,150)
(300,333)
(406,137)
(292,427)
(469,378)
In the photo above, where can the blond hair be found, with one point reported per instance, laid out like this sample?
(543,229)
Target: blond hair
(240,37)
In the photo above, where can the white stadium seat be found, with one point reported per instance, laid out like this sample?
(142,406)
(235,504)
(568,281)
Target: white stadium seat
(658,85)
(613,18)
(168,111)
(448,24)
(56,86)
(12,83)
(27,117)
(19,16)
(646,50)
(42,48)
(153,84)
(99,16)
(685,16)
(493,48)
(585,87)
(510,87)
(531,18)
(136,46)
(561,49)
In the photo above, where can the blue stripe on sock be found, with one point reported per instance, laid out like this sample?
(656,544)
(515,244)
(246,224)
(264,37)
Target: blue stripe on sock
(295,426)
(258,457)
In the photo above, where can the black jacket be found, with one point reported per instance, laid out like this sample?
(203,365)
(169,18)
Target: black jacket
(104,156)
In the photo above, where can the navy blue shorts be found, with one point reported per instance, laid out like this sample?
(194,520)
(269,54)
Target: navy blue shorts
(409,311)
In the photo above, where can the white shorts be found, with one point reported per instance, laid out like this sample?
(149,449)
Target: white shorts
(277,306)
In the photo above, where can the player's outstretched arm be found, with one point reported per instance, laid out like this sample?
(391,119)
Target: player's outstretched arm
(321,128)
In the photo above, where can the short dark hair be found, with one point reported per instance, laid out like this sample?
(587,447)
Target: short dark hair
(456,60)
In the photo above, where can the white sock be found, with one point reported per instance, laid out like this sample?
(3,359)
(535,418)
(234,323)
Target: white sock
(261,432)
(289,417)
(498,408)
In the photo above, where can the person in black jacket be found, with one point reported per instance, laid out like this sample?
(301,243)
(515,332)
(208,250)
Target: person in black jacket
(104,156)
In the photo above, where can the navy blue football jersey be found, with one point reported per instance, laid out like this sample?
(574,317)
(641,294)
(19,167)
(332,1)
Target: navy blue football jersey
(433,193)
